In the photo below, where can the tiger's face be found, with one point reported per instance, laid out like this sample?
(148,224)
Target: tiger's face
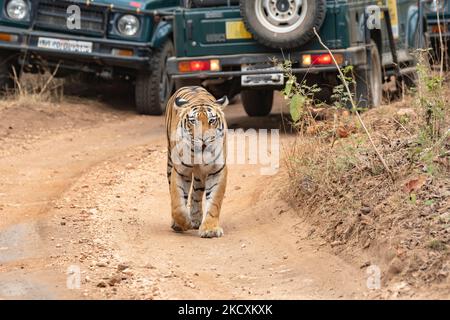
(202,124)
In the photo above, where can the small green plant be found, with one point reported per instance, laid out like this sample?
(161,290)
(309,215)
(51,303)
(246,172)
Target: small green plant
(437,245)
(430,100)
(299,94)
(433,109)
(413,198)
(340,95)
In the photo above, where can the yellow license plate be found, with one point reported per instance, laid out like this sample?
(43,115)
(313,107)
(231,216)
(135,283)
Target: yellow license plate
(236,30)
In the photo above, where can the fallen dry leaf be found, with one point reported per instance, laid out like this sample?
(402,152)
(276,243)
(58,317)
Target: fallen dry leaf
(342,132)
(415,184)
(345,131)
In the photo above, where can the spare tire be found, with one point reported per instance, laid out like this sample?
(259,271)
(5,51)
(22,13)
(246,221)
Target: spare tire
(283,24)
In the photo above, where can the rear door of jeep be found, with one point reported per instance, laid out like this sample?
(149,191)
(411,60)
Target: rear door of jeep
(205,31)
(214,46)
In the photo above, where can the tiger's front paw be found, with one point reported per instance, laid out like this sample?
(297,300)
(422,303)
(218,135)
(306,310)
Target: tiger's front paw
(179,228)
(216,232)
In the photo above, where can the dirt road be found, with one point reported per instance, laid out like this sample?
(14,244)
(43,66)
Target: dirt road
(84,214)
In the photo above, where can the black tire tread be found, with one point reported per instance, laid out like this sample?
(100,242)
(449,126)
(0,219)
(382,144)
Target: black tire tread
(307,35)
(257,103)
(147,85)
(364,85)
(6,75)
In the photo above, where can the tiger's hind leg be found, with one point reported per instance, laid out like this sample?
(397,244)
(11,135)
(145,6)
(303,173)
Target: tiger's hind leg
(180,185)
(215,190)
(198,190)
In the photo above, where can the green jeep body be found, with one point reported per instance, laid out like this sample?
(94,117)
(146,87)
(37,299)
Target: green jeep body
(437,13)
(140,57)
(200,34)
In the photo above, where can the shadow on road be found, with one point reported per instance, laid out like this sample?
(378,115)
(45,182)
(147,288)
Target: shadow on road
(278,119)
(119,95)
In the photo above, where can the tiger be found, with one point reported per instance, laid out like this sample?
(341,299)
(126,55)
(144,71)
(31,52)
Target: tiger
(196,163)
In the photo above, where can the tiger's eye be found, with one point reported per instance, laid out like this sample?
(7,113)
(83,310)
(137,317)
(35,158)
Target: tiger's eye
(212,120)
(192,120)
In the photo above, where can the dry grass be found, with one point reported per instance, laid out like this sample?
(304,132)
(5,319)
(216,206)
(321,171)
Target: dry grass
(32,89)
(339,184)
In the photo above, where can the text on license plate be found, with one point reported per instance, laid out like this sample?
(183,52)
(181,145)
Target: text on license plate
(65,45)
(270,76)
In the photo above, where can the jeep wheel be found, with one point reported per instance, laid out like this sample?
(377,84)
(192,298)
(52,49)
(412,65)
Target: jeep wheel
(257,103)
(229,88)
(154,88)
(283,24)
(369,83)
(6,74)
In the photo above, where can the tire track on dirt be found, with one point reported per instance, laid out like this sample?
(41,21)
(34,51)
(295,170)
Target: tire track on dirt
(123,242)
(32,181)
(98,199)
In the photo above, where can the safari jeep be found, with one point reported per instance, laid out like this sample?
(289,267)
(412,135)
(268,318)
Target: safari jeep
(228,46)
(437,25)
(108,38)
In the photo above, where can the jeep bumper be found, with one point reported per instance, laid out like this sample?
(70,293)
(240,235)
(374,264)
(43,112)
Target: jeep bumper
(106,52)
(231,65)
(437,36)
(433,25)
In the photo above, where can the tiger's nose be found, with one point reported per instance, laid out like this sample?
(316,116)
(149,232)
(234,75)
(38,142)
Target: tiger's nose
(203,146)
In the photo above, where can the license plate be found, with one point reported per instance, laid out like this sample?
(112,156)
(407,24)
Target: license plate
(270,76)
(236,30)
(65,45)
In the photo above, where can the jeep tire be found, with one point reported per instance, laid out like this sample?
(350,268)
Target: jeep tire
(283,24)
(7,62)
(154,88)
(369,82)
(257,103)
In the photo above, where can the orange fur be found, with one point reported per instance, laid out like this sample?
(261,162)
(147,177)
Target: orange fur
(190,182)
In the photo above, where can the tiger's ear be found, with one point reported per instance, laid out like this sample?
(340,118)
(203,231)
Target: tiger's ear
(223,102)
(179,102)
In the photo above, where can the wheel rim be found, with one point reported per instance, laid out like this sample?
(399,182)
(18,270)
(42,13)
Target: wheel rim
(281,16)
